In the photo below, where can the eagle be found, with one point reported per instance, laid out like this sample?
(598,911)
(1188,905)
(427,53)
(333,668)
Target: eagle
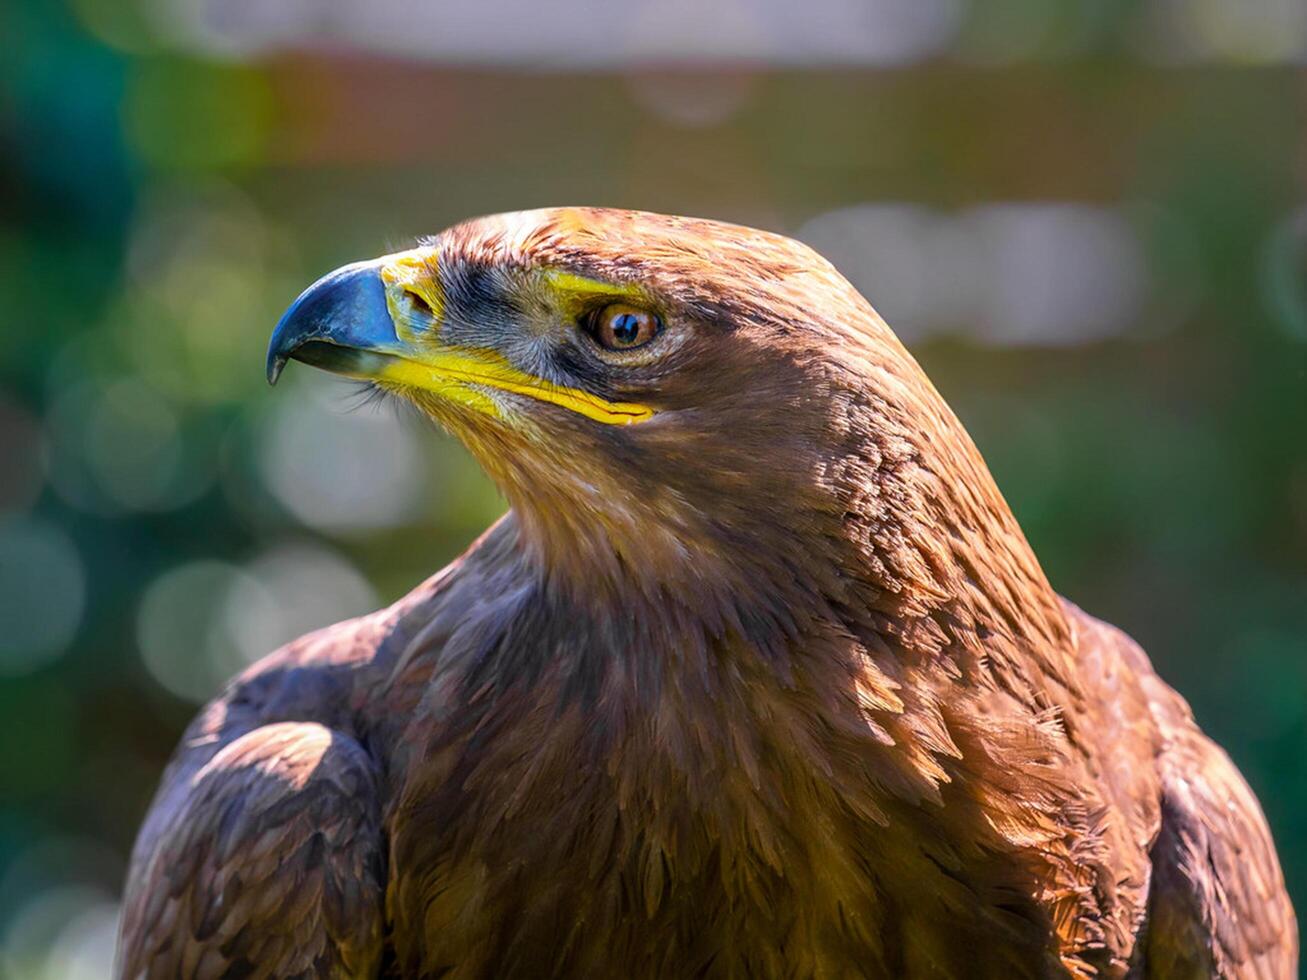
(756,677)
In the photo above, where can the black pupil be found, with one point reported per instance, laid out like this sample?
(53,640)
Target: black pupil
(626,328)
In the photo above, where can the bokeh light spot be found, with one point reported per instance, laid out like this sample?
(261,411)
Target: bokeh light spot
(42,593)
(1284,275)
(911,262)
(337,471)
(63,933)
(202,292)
(1046,274)
(1248,32)
(117,445)
(202,623)
(184,632)
(1055,274)
(311,587)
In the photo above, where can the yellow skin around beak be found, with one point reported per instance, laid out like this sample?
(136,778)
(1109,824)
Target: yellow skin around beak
(335,324)
(454,373)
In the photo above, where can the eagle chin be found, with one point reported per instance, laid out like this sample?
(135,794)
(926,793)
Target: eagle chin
(757,678)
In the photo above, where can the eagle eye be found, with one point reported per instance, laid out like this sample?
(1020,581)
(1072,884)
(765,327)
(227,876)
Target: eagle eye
(621,327)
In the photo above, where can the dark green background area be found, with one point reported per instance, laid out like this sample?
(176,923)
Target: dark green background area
(159,209)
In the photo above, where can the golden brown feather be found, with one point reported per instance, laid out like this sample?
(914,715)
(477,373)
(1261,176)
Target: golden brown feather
(769,684)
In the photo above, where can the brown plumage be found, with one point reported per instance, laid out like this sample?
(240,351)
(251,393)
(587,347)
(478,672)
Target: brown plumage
(766,683)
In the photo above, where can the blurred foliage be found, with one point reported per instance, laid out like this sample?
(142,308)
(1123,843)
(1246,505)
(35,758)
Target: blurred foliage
(165,518)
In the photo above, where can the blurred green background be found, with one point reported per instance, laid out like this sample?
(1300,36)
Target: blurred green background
(1086,218)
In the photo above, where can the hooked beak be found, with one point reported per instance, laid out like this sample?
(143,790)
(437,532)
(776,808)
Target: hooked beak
(341,323)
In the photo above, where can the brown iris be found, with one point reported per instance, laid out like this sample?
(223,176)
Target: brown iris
(623,327)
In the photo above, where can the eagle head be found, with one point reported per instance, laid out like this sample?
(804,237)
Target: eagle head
(671,405)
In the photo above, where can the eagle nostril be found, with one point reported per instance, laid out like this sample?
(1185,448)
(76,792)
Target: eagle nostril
(419,304)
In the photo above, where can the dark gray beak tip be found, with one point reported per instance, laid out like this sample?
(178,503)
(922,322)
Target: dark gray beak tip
(276,362)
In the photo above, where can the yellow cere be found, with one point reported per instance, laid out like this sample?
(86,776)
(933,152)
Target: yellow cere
(414,271)
(447,371)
